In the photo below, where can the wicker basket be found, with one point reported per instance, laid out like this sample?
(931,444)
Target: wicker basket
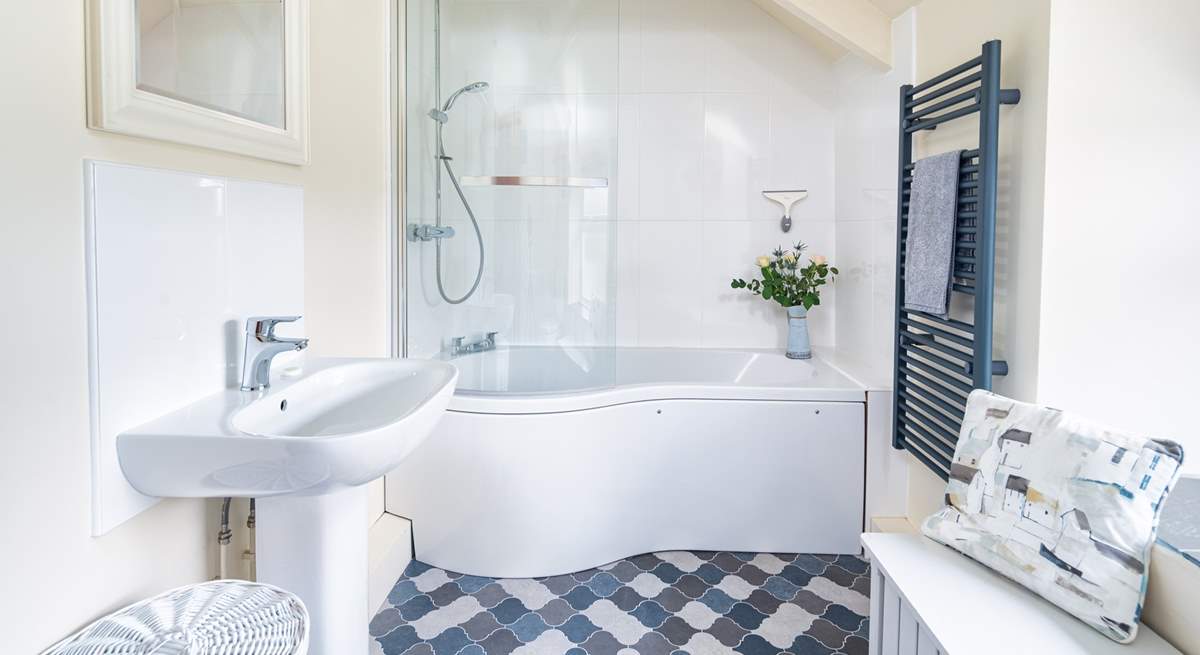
(225,617)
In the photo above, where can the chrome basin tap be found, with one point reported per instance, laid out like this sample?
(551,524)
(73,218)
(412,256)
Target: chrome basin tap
(261,347)
(457,347)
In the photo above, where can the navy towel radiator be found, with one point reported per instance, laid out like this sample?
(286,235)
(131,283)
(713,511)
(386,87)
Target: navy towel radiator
(938,361)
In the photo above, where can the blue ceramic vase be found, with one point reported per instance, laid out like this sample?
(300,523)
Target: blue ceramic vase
(798,345)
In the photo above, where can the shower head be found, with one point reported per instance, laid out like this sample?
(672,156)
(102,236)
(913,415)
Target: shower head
(473,87)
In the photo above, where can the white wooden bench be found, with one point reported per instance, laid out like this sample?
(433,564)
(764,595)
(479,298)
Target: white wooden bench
(927,599)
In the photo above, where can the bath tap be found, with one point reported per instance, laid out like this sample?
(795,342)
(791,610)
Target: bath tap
(457,347)
(429,232)
(261,347)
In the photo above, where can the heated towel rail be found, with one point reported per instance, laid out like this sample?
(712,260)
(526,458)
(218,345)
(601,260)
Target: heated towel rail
(940,360)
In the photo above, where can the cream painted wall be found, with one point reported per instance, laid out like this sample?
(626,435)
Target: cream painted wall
(858,26)
(1121,225)
(948,33)
(1120,236)
(1109,220)
(58,577)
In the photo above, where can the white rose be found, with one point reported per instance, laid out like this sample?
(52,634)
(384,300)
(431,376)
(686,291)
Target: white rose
(789,258)
(819,259)
(763,261)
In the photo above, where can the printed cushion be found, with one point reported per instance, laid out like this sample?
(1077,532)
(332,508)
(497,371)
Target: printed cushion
(1066,508)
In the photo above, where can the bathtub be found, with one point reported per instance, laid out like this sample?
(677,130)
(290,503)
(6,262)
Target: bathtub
(555,460)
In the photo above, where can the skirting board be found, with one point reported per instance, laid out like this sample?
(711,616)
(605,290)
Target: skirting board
(892,524)
(389,544)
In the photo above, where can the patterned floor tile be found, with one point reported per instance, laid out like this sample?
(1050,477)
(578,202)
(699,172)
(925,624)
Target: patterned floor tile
(671,603)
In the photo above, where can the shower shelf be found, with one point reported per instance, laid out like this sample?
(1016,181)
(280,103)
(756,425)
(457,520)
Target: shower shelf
(536,180)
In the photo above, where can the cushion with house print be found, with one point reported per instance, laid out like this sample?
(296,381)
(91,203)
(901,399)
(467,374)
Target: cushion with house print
(1065,507)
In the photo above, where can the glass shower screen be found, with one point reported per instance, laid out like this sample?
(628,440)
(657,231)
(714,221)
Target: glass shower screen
(510,123)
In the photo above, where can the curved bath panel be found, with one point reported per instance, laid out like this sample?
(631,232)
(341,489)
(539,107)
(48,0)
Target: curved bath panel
(550,492)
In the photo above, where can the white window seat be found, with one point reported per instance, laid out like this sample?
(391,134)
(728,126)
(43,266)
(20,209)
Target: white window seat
(927,599)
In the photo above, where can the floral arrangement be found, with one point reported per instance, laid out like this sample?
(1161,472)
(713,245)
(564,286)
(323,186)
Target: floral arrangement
(786,282)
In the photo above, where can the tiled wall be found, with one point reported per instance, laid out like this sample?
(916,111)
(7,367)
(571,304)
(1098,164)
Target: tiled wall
(549,272)
(176,263)
(866,156)
(718,102)
(690,107)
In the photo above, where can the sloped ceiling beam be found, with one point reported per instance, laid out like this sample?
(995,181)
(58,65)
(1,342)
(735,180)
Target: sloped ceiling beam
(856,25)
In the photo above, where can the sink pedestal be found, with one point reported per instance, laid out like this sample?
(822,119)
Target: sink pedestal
(316,548)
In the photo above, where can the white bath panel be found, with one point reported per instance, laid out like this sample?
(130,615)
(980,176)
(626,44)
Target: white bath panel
(175,263)
(576,480)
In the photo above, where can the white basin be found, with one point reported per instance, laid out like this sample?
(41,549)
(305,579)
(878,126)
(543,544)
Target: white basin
(304,449)
(337,423)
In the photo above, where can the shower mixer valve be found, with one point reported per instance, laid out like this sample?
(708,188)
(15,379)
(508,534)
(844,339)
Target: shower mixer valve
(429,232)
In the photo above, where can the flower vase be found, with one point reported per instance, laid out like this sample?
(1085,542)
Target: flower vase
(798,344)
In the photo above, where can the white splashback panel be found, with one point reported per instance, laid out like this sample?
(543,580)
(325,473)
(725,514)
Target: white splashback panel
(176,262)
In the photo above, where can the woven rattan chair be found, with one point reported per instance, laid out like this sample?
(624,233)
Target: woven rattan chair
(225,617)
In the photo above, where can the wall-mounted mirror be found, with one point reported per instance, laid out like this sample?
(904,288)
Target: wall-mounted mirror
(224,74)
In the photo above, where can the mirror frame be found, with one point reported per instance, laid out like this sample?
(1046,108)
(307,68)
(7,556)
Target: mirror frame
(116,104)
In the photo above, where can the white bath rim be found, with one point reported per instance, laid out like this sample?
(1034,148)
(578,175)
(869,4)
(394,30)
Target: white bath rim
(646,374)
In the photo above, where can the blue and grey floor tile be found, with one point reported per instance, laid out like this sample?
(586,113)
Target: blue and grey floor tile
(658,604)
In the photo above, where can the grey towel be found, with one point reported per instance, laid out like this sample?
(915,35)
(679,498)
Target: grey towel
(929,253)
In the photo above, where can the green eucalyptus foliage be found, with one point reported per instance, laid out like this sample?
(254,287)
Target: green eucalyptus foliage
(786,282)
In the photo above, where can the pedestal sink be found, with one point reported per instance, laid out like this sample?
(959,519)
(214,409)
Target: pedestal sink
(304,448)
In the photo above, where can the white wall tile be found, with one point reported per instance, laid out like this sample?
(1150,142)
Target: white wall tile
(865,166)
(883,297)
(178,261)
(586,35)
(628,296)
(629,46)
(736,155)
(671,151)
(674,45)
(670,302)
(595,152)
(820,237)
(264,234)
(628,158)
(531,47)
(796,65)
(802,153)
(735,318)
(740,54)
(854,258)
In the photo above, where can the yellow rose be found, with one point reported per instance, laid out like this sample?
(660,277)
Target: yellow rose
(819,259)
(763,261)
(789,258)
